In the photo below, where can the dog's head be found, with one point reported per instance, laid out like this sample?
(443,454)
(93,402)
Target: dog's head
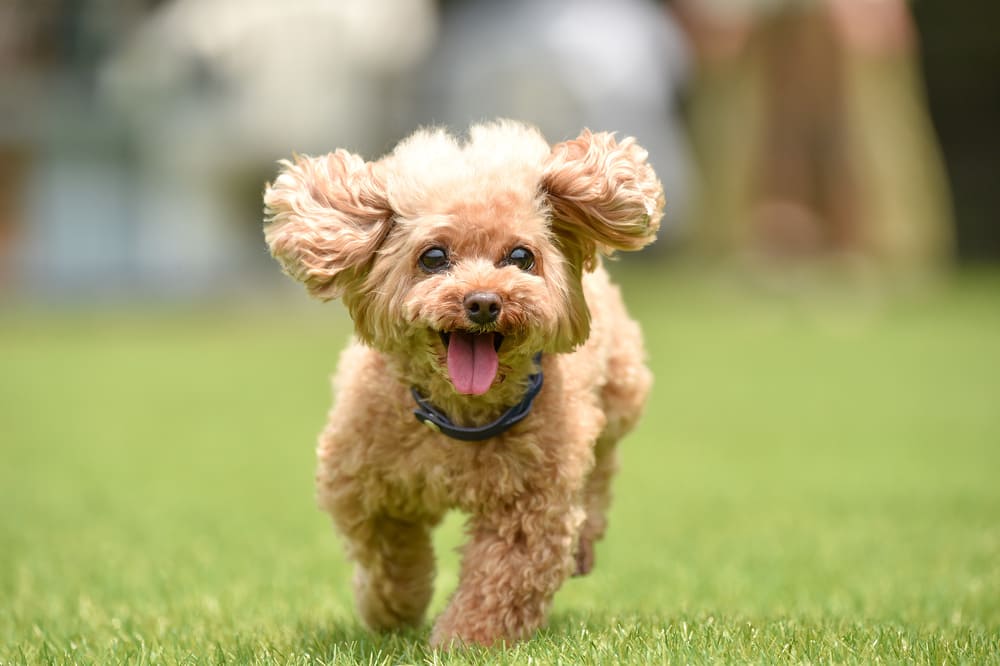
(469,257)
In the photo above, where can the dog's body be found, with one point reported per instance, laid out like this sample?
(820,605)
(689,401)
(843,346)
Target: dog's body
(465,268)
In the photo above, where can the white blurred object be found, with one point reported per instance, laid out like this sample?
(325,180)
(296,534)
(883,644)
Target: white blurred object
(564,65)
(225,78)
(204,95)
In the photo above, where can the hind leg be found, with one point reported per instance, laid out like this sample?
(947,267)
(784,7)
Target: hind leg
(596,499)
(623,399)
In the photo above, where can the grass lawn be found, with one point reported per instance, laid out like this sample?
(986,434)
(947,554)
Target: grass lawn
(817,480)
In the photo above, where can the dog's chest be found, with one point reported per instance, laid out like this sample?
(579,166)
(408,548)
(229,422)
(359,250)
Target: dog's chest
(438,473)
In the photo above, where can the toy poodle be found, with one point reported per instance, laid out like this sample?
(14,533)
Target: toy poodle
(494,367)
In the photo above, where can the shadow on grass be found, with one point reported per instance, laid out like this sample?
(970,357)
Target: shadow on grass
(352,642)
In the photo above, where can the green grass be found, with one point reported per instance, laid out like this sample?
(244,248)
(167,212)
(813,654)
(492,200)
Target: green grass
(816,480)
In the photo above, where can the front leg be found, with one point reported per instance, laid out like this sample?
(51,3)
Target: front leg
(517,558)
(394,572)
(394,558)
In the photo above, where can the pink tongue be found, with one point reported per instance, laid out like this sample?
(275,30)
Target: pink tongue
(472,362)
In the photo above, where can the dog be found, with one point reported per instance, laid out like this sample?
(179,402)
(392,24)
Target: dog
(494,367)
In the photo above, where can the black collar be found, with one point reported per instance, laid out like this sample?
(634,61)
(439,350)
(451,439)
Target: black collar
(435,420)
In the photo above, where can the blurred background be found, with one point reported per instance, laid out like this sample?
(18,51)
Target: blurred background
(136,135)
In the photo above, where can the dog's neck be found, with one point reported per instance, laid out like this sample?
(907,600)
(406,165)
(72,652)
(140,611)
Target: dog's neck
(434,386)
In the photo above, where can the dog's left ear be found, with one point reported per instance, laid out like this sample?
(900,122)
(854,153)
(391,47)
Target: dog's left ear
(604,196)
(325,218)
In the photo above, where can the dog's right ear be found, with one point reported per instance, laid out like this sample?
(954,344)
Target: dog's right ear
(325,217)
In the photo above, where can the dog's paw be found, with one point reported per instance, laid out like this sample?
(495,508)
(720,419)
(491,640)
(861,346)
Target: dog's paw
(584,557)
(449,638)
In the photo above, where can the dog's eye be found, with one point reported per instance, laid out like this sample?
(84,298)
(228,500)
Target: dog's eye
(434,260)
(522,258)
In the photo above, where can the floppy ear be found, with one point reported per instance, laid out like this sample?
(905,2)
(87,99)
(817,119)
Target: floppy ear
(324,219)
(604,196)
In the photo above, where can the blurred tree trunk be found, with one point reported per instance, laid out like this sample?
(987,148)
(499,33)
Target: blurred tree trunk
(813,138)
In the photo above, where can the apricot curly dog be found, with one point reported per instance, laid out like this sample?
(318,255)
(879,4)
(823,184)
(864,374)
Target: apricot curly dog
(472,272)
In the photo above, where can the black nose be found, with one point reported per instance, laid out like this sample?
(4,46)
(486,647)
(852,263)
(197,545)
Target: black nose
(482,307)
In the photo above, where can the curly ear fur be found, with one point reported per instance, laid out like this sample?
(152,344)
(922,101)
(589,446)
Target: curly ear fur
(325,218)
(604,196)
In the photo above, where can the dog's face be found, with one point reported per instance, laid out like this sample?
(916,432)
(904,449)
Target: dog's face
(468,259)
(475,280)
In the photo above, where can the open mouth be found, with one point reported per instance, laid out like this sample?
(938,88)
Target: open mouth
(472,360)
(497,338)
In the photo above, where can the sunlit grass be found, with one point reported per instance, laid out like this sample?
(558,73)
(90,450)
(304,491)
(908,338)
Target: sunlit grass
(815,480)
